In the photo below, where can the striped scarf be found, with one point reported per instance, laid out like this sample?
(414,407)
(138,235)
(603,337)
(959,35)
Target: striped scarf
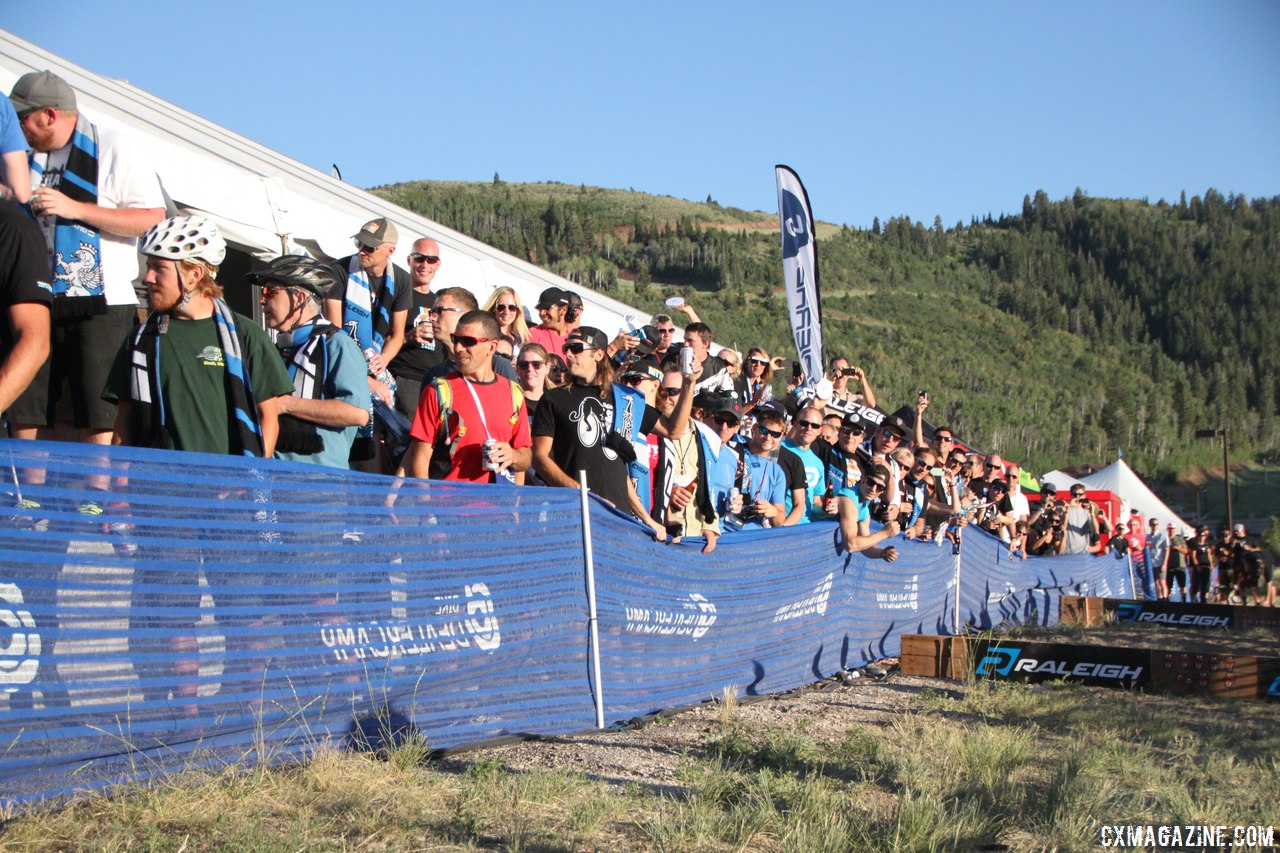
(77,247)
(368,326)
(148,395)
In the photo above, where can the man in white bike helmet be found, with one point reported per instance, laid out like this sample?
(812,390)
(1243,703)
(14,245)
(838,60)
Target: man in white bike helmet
(195,376)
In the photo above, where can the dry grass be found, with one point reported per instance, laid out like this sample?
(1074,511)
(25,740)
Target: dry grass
(973,765)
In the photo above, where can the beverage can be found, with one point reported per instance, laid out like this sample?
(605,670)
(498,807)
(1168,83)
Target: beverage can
(486,452)
(686,361)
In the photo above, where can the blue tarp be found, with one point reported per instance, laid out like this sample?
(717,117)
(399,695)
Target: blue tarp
(219,609)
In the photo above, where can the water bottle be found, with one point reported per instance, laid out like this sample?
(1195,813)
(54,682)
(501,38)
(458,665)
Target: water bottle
(385,376)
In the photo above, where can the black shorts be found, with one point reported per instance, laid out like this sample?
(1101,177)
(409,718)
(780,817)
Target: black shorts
(81,355)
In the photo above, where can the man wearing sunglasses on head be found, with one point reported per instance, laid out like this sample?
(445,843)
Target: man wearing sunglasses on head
(575,428)
(855,516)
(420,352)
(471,424)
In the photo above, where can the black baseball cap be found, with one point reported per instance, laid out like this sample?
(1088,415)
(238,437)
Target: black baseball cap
(854,423)
(552,296)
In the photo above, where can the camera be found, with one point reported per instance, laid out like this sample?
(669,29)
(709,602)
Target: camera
(849,371)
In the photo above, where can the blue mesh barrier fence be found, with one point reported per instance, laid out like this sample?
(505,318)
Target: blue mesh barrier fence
(161,610)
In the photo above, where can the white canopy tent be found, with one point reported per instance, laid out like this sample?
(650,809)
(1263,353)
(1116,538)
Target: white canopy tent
(266,203)
(1119,478)
(1061,479)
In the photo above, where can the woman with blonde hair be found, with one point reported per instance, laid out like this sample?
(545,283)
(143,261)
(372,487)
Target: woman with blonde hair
(505,306)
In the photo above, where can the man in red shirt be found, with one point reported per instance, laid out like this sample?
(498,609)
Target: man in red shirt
(459,411)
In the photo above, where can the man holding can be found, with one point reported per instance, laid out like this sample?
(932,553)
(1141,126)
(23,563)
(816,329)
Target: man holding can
(471,424)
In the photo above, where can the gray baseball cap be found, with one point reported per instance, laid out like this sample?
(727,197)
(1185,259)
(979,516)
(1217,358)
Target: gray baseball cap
(41,89)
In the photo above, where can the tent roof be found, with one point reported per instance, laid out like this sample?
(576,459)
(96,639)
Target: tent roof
(1119,478)
(266,203)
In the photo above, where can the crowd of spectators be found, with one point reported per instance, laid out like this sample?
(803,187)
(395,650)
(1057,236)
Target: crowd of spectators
(372,367)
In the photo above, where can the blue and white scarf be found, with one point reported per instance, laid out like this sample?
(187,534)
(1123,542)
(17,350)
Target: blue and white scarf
(77,247)
(147,392)
(361,318)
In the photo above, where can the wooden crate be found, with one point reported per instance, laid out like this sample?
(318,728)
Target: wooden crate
(934,657)
(1243,676)
(1082,610)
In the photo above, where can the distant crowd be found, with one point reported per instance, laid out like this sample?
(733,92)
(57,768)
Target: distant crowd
(367,365)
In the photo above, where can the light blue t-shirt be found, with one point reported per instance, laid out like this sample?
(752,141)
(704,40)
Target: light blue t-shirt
(345,380)
(768,482)
(816,480)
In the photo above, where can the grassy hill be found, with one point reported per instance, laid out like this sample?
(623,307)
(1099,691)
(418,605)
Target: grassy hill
(1055,337)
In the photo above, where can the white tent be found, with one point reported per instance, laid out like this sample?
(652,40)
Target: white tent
(266,203)
(1119,478)
(1061,479)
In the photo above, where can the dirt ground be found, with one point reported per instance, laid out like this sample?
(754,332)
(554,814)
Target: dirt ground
(652,754)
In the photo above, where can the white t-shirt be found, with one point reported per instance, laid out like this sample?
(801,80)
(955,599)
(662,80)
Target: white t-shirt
(124,180)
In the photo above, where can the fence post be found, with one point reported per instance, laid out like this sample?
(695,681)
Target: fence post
(592,623)
(956,630)
(1133,586)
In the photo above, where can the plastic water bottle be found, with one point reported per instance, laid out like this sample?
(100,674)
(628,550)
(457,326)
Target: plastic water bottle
(385,376)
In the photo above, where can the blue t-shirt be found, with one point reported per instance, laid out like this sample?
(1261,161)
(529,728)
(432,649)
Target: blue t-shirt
(723,472)
(815,476)
(768,483)
(852,493)
(11,138)
(346,381)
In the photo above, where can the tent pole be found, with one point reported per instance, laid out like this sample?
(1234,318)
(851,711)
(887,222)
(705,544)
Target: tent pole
(592,622)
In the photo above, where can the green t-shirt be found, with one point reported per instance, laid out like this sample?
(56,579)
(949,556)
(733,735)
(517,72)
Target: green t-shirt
(193,382)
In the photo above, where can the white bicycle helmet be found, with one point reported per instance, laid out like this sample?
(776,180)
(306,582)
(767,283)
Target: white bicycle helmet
(185,238)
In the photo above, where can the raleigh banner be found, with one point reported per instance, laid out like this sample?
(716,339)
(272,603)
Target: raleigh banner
(800,271)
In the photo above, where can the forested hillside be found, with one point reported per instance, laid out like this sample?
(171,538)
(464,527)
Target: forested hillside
(1055,336)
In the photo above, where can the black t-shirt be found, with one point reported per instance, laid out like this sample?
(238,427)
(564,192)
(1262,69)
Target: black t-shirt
(793,466)
(578,422)
(24,267)
(412,360)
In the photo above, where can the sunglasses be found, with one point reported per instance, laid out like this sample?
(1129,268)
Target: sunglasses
(1077,494)
(724,420)
(439,311)
(670,392)
(992,465)
(944,439)
(771,433)
(506,307)
(417,258)
(469,341)
(530,365)
(666,331)
(577,347)
(366,250)
(851,430)
(758,360)
(892,436)
(809,425)
(878,485)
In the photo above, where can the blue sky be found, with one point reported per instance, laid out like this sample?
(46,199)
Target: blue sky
(922,109)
